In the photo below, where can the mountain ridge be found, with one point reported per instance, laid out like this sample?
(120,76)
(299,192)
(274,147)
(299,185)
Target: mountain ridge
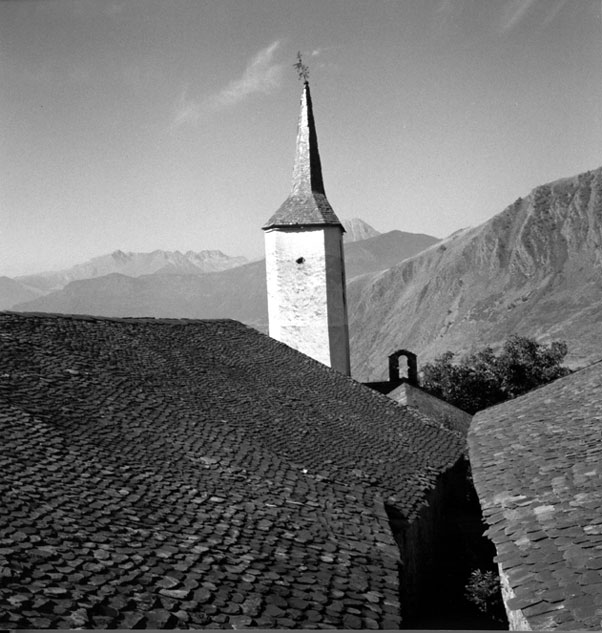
(356,230)
(133,264)
(13,292)
(239,292)
(532,269)
(136,264)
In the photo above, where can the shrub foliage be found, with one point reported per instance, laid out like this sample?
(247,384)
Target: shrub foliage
(482,379)
(483,590)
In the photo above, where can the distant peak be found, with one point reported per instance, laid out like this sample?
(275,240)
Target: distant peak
(356,229)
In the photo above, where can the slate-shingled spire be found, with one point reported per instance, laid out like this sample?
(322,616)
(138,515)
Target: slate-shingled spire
(307,203)
(305,266)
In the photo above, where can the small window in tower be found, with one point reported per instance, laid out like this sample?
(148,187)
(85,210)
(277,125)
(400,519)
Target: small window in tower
(300,260)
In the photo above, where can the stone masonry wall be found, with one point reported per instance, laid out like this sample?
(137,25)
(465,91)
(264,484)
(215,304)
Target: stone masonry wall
(418,542)
(451,417)
(306,300)
(516,618)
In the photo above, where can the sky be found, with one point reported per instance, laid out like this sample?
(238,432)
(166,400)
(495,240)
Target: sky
(143,124)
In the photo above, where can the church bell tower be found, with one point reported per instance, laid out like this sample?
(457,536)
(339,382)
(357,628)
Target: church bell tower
(305,266)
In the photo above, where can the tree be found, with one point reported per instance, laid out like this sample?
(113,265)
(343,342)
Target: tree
(482,379)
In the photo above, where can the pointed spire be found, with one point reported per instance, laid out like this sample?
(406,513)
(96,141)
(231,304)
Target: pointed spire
(307,203)
(307,174)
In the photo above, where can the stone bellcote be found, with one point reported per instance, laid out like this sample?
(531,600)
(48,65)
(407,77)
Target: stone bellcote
(305,267)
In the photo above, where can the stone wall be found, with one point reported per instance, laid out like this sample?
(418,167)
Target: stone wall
(516,618)
(420,543)
(417,543)
(439,550)
(306,292)
(451,417)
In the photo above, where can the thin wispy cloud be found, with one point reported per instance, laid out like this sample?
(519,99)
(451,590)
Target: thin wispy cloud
(445,9)
(320,57)
(187,110)
(516,12)
(501,17)
(451,15)
(262,75)
(114,9)
(554,11)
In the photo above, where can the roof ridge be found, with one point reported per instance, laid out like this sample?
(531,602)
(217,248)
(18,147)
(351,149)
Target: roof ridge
(93,317)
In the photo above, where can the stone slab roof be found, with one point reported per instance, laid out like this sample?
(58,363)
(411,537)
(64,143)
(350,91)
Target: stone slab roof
(163,474)
(537,467)
(304,209)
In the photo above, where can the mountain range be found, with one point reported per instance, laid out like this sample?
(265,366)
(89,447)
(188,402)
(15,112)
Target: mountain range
(134,264)
(157,262)
(239,292)
(12,292)
(535,269)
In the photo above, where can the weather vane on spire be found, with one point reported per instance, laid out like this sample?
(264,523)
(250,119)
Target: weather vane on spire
(301,68)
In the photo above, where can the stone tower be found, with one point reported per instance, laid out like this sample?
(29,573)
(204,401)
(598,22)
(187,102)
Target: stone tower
(305,266)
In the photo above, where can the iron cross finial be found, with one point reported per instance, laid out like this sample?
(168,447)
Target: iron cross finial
(301,68)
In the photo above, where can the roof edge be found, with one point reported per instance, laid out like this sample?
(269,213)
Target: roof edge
(307,225)
(140,319)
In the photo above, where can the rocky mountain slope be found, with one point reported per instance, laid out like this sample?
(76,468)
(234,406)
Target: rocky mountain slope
(535,269)
(135,265)
(239,293)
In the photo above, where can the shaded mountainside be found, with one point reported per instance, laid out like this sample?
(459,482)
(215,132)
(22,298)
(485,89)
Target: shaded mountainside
(135,265)
(239,293)
(12,292)
(383,251)
(534,269)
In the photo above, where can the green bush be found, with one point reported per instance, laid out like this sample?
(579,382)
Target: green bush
(482,379)
(483,590)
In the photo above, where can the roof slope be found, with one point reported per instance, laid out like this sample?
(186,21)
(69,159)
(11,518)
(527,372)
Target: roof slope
(307,203)
(169,473)
(537,467)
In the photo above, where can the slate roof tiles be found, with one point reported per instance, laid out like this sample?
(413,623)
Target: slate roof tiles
(537,467)
(166,474)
